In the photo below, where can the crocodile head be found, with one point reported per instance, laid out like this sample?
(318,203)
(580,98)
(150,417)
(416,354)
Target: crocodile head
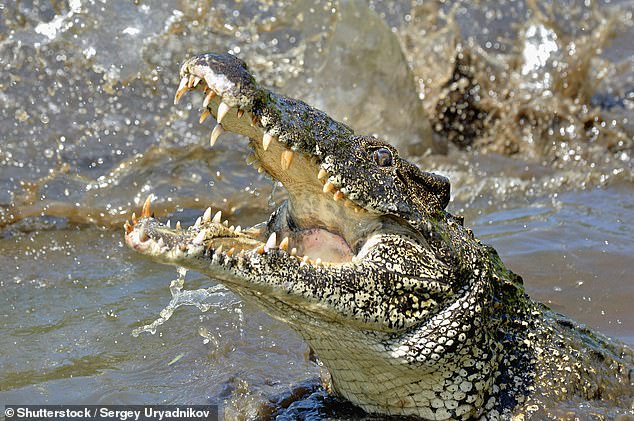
(362,259)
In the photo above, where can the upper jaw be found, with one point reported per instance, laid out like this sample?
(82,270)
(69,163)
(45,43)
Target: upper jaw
(306,149)
(283,131)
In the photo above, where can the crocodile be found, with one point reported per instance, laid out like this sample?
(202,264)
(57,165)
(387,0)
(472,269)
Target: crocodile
(407,310)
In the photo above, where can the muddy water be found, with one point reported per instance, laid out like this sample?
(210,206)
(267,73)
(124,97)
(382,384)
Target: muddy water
(537,99)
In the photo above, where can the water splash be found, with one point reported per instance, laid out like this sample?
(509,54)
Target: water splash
(540,49)
(60,22)
(199,298)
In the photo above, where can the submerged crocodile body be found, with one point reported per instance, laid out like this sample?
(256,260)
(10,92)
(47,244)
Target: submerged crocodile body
(409,312)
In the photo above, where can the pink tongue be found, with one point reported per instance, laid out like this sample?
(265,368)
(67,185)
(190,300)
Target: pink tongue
(327,246)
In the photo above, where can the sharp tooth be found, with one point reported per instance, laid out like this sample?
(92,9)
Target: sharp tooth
(294,251)
(198,222)
(182,88)
(240,112)
(225,223)
(145,212)
(219,249)
(271,243)
(254,121)
(203,116)
(287,158)
(160,243)
(306,259)
(231,251)
(210,95)
(168,224)
(178,225)
(196,81)
(134,220)
(143,237)
(328,187)
(223,109)
(217,217)
(207,215)
(238,229)
(127,227)
(232,228)
(318,261)
(322,173)
(215,134)
(266,140)
(190,82)
(284,244)
(200,237)
(260,250)
(338,195)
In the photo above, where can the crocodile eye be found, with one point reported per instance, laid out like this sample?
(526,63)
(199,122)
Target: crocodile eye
(382,157)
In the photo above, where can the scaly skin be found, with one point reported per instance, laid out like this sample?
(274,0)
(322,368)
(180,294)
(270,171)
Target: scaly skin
(410,314)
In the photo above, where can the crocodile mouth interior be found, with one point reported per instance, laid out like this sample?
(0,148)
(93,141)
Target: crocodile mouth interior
(318,225)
